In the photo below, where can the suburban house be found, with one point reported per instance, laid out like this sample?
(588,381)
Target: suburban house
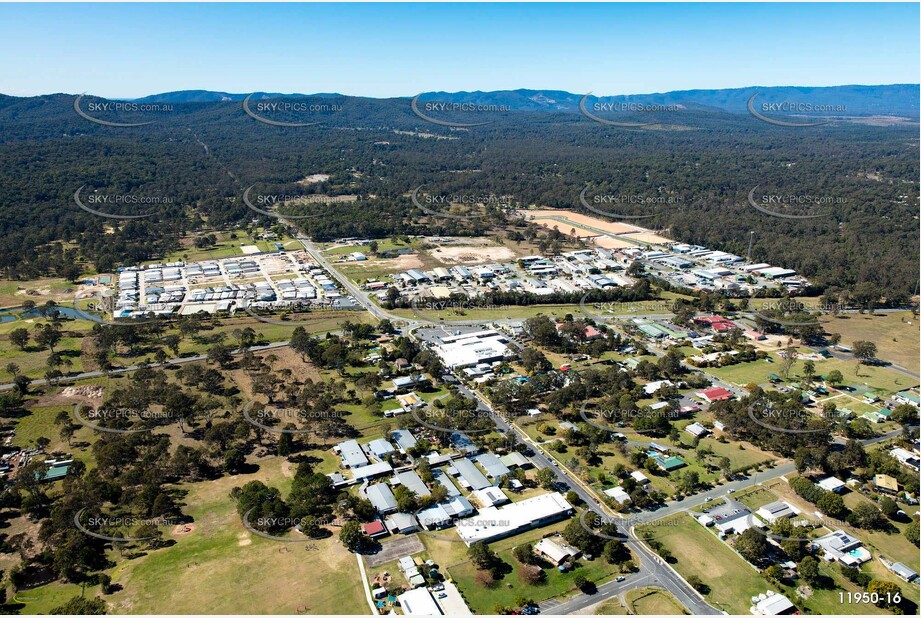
(556,553)
(841,547)
(619,494)
(697,430)
(886,484)
(374,529)
(831,483)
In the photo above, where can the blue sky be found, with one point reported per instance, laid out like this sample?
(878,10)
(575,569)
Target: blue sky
(131,50)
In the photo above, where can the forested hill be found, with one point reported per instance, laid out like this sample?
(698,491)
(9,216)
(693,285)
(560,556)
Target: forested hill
(893,99)
(202,155)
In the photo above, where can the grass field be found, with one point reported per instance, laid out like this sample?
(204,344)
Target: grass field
(611,607)
(220,568)
(484,600)
(731,580)
(225,247)
(883,379)
(13,293)
(33,361)
(653,601)
(895,334)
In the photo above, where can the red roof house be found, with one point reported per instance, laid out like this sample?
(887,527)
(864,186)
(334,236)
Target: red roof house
(374,529)
(717,393)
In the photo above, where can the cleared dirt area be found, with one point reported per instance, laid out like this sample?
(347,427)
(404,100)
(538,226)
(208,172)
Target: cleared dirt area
(565,227)
(648,237)
(313,179)
(472,253)
(578,218)
(607,242)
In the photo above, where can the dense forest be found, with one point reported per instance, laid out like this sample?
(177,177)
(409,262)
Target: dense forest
(200,157)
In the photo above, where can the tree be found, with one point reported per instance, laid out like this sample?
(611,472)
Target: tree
(524,553)
(752,545)
(834,377)
(615,551)
(20,338)
(22,384)
(864,351)
(889,594)
(912,532)
(80,606)
(888,506)
(351,536)
(534,360)
(582,582)
(809,370)
(773,573)
(832,505)
(220,354)
(234,460)
(698,585)
(866,516)
(482,555)
(47,335)
(808,570)
(546,478)
(689,481)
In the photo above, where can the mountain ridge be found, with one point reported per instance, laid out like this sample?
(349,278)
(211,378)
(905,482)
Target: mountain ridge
(855,99)
(847,100)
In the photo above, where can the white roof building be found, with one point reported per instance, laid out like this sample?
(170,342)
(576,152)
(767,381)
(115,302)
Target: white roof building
(774,511)
(697,430)
(352,455)
(489,496)
(639,477)
(419,602)
(557,553)
(772,605)
(496,523)
(841,547)
(468,349)
(831,483)
(618,493)
(652,387)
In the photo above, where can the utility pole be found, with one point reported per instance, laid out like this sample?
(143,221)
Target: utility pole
(751,237)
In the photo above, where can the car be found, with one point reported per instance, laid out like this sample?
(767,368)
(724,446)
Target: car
(442,595)
(438,587)
(619,578)
(708,499)
(730,491)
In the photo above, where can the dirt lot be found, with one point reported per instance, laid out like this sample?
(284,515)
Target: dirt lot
(606,242)
(648,237)
(611,227)
(472,253)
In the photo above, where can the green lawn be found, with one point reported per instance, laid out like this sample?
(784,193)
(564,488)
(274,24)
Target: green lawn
(654,601)
(220,568)
(882,379)
(731,580)
(484,600)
